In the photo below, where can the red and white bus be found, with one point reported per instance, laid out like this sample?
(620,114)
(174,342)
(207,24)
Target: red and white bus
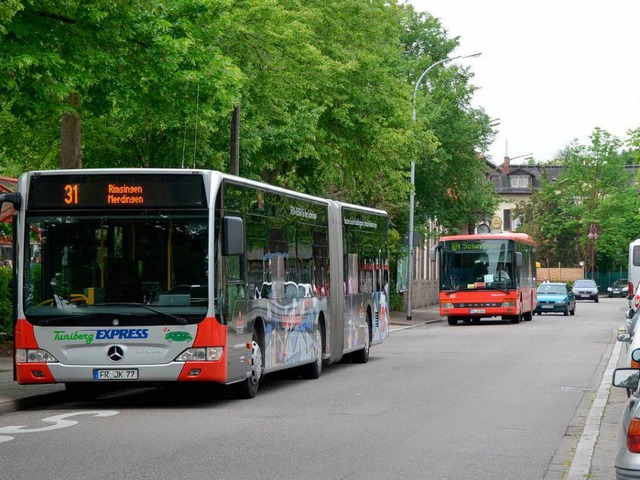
(145,276)
(488,275)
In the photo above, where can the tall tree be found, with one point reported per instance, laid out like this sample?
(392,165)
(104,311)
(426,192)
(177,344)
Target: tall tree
(451,134)
(593,183)
(128,71)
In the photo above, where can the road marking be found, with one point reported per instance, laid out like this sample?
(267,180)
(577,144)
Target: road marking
(59,421)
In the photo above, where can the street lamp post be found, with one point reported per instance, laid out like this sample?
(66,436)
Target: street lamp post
(413,169)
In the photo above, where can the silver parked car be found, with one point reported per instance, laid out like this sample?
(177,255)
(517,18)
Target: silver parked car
(586,289)
(628,453)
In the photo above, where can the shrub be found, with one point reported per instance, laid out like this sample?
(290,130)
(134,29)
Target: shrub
(6,300)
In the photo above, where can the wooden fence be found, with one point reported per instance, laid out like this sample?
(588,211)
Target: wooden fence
(559,274)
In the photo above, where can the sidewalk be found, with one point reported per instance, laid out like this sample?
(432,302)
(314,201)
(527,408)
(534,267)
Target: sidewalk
(429,314)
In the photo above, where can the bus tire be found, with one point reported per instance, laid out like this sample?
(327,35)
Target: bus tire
(248,388)
(313,370)
(453,321)
(517,318)
(362,355)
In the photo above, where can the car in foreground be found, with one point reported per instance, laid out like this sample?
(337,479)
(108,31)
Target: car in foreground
(586,289)
(627,462)
(619,288)
(555,298)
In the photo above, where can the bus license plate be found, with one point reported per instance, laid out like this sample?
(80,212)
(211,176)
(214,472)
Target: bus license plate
(477,310)
(113,374)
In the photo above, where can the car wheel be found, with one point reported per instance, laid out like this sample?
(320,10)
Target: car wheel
(597,300)
(566,311)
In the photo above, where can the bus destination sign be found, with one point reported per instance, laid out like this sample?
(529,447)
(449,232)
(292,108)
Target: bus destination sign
(129,190)
(475,245)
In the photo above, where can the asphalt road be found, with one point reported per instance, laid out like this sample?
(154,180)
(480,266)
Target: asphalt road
(485,401)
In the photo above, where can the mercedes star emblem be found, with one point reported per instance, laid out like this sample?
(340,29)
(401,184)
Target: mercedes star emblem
(115,353)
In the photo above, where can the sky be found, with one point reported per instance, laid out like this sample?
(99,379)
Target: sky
(550,71)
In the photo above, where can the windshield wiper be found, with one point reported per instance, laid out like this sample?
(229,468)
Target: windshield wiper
(454,289)
(496,288)
(175,318)
(65,318)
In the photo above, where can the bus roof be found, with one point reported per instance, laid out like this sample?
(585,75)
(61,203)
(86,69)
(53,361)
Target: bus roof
(518,237)
(207,173)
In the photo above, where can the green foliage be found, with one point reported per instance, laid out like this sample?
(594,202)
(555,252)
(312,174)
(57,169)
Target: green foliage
(325,90)
(6,305)
(592,186)
(450,178)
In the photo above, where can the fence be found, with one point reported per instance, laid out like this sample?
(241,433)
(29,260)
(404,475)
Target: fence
(570,275)
(559,274)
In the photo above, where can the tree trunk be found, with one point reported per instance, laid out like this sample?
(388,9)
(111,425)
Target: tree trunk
(70,135)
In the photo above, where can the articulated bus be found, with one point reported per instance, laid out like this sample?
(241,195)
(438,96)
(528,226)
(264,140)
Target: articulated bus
(148,276)
(488,275)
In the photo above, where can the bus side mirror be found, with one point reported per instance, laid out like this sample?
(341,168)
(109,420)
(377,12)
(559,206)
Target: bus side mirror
(518,259)
(13,198)
(434,250)
(232,236)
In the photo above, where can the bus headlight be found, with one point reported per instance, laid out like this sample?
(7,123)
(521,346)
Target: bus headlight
(208,354)
(509,304)
(34,356)
(446,305)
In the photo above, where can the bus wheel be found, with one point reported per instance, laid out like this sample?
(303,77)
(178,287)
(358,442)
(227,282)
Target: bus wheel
(528,316)
(362,356)
(248,388)
(313,370)
(452,321)
(517,318)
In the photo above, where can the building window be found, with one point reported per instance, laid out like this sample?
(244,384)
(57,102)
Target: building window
(519,181)
(507,220)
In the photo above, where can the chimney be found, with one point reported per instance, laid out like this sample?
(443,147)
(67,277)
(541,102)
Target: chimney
(505,165)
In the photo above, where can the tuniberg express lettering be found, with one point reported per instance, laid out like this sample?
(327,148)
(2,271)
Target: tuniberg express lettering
(88,336)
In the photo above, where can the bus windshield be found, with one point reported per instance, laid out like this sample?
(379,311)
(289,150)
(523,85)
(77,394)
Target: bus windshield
(85,268)
(477,264)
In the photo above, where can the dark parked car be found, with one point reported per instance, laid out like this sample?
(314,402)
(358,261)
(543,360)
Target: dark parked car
(586,289)
(555,297)
(619,288)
